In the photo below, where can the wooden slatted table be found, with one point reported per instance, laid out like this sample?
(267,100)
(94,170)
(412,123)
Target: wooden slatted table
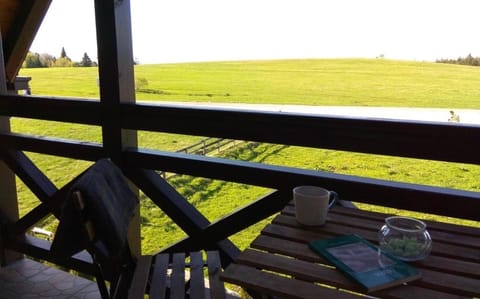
(279,262)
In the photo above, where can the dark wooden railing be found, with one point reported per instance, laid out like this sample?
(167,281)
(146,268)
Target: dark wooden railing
(435,141)
(120,118)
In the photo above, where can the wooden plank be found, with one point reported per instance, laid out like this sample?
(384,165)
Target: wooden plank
(299,269)
(8,12)
(239,220)
(297,250)
(53,146)
(447,243)
(452,275)
(269,283)
(329,230)
(217,288)
(8,196)
(197,282)
(35,215)
(449,283)
(248,215)
(116,74)
(413,292)
(140,277)
(377,216)
(228,250)
(313,272)
(438,235)
(30,174)
(450,265)
(301,251)
(391,137)
(184,214)
(295,234)
(21,34)
(158,286)
(413,197)
(69,110)
(177,286)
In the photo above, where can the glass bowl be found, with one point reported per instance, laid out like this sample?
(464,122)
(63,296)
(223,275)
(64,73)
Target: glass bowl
(405,238)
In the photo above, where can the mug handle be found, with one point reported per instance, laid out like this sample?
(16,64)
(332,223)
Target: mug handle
(332,198)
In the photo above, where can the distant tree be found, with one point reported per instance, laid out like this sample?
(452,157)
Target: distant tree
(468,60)
(32,60)
(63,54)
(47,60)
(63,62)
(86,61)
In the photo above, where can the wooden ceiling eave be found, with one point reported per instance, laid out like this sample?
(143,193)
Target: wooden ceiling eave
(21,32)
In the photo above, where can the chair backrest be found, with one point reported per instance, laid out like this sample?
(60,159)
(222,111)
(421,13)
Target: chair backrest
(95,217)
(118,268)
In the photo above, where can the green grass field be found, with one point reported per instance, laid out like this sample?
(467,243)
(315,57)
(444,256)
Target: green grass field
(344,82)
(348,82)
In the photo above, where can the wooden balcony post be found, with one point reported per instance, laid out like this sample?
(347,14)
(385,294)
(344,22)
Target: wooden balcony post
(8,195)
(117,85)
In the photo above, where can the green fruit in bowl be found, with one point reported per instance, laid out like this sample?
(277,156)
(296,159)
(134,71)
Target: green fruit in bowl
(404,247)
(405,238)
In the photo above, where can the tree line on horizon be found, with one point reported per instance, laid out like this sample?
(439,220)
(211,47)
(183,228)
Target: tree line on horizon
(468,60)
(36,60)
(44,60)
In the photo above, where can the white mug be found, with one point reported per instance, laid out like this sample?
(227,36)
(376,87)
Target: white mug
(312,204)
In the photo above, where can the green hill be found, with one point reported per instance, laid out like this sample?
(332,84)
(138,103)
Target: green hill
(349,82)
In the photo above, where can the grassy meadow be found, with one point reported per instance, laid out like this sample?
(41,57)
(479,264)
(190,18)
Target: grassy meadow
(342,82)
(339,82)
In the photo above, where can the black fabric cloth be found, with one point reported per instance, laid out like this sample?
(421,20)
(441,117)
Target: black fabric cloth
(110,205)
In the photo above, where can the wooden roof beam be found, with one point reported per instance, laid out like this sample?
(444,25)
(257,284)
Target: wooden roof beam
(19,38)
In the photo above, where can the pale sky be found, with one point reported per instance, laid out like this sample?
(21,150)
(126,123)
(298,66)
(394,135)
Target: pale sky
(210,30)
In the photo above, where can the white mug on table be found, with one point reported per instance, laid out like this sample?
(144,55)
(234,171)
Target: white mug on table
(312,204)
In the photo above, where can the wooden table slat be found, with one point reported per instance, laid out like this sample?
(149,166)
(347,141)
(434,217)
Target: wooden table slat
(299,234)
(339,219)
(297,268)
(451,283)
(414,292)
(281,254)
(450,265)
(442,226)
(302,252)
(316,273)
(370,217)
(286,247)
(280,286)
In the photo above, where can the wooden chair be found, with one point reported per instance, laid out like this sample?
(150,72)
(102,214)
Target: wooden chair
(162,285)
(159,276)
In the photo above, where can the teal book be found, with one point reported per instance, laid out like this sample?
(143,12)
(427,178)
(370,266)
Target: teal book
(364,262)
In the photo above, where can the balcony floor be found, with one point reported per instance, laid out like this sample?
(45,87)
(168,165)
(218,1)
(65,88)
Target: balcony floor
(26,278)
